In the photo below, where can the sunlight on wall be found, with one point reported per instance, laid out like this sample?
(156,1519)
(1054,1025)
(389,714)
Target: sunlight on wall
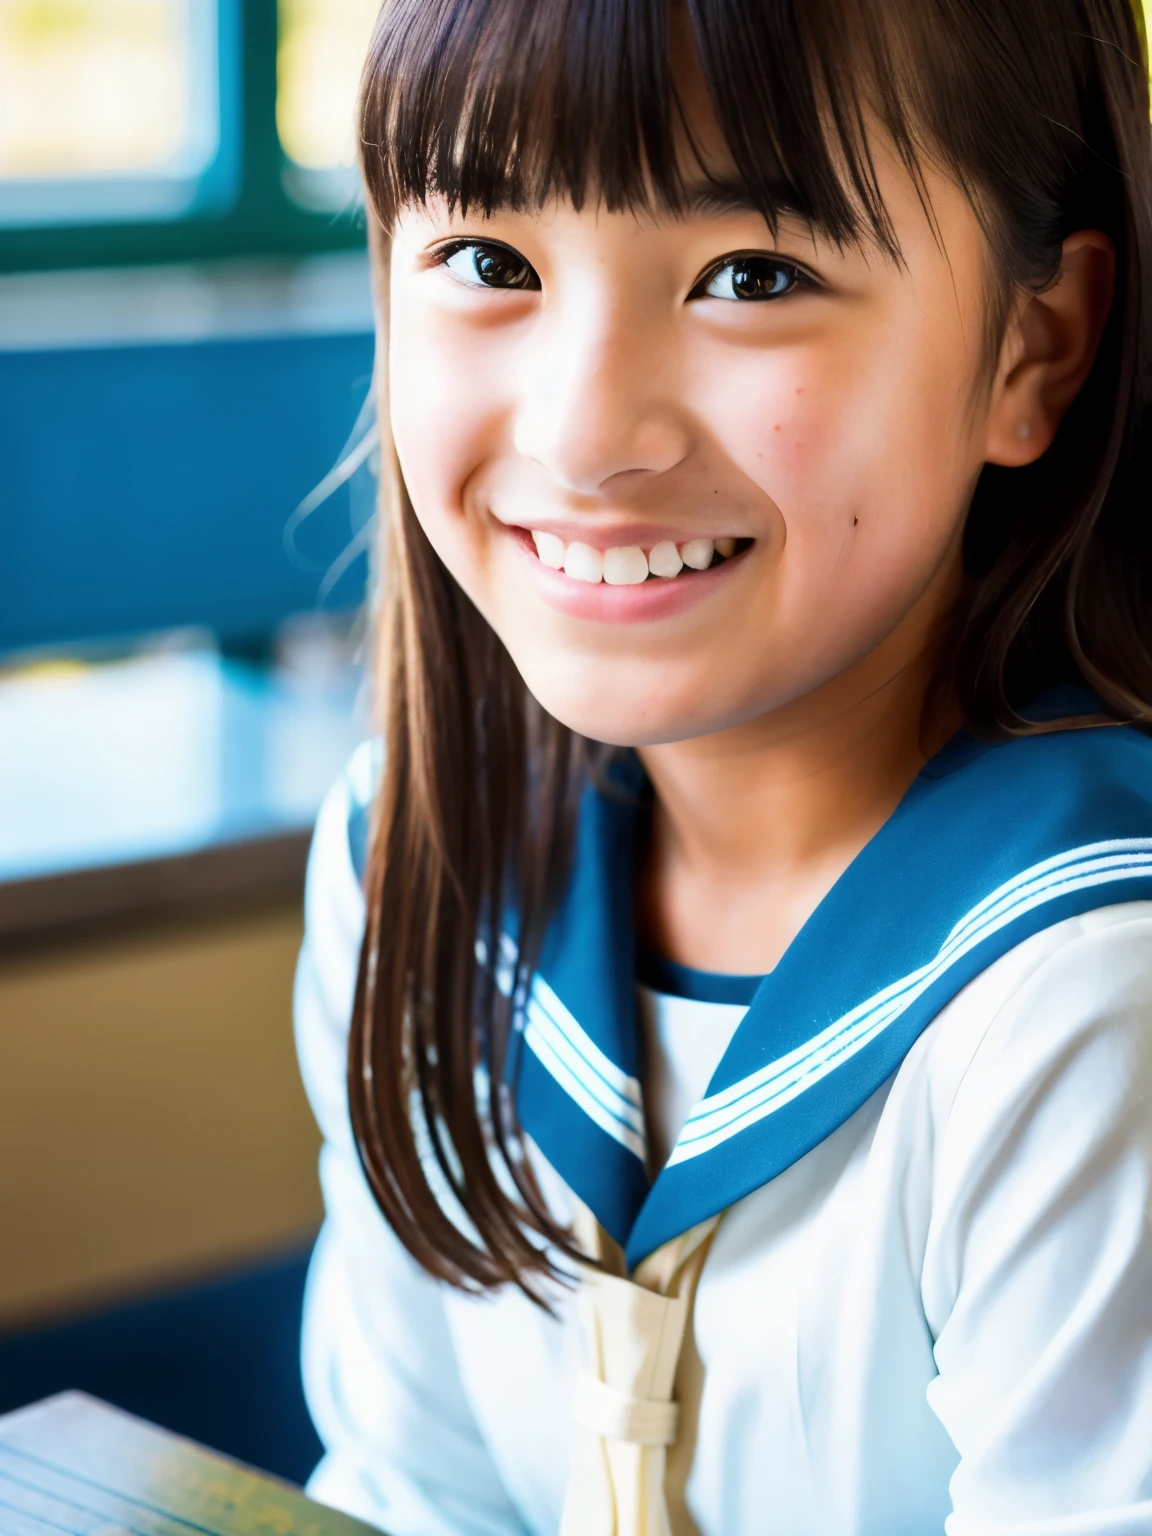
(322,48)
(94,87)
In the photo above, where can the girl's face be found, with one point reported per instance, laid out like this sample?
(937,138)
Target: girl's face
(688,471)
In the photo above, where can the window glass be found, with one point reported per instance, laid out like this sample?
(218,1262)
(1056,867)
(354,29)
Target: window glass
(107,107)
(322,48)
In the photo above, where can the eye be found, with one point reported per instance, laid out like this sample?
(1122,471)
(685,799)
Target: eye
(751,279)
(481,264)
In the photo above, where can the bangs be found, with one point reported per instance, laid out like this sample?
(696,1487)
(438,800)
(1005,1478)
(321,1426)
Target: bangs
(496,104)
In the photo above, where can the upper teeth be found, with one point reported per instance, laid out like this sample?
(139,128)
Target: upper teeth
(627,565)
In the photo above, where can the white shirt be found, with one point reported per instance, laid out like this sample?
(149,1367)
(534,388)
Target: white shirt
(940,1319)
(683,1040)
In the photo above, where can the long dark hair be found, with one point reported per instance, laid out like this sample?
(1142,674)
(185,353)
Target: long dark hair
(1039,110)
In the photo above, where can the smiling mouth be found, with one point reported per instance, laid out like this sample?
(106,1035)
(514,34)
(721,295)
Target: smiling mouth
(630,565)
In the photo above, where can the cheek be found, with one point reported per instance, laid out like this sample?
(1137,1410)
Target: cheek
(443,427)
(828,427)
(866,448)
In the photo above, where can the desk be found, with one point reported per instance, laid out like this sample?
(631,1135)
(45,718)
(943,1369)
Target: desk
(160,787)
(72,1466)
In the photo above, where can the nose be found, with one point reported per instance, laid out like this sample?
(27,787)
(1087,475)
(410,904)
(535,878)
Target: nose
(598,399)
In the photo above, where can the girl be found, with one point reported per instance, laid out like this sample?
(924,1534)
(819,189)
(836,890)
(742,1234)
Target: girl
(729,1005)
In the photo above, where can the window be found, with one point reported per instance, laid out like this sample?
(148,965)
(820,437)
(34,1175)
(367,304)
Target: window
(322,45)
(111,109)
(140,140)
(137,131)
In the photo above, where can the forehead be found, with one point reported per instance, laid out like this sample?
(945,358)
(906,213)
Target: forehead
(618,103)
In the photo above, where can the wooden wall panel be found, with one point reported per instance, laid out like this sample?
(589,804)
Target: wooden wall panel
(152,1124)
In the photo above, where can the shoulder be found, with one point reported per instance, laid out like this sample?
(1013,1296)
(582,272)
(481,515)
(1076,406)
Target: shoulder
(334,914)
(1045,1053)
(1082,987)
(1036,1274)
(1024,1111)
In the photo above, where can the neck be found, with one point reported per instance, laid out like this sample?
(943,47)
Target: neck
(753,825)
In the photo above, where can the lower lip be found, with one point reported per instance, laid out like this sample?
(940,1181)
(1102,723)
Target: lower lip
(645,603)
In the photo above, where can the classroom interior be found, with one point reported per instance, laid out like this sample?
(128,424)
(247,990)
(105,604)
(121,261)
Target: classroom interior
(186,547)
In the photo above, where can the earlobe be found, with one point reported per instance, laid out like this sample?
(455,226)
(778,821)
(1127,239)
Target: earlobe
(1048,351)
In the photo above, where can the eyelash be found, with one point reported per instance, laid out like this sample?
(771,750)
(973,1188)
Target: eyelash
(442,256)
(797,277)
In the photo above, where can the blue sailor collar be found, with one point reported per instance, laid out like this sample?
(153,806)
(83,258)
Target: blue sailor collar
(991,844)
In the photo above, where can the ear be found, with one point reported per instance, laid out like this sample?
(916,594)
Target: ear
(1048,351)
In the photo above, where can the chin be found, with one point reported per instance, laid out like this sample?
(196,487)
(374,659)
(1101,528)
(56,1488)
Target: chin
(616,726)
(595,700)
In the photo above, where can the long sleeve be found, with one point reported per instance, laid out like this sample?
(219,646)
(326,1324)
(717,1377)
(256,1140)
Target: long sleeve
(1038,1280)
(381,1377)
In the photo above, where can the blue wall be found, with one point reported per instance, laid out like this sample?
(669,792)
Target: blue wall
(219,1362)
(145,487)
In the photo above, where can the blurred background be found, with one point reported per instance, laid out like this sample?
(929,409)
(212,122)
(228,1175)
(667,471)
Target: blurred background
(186,497)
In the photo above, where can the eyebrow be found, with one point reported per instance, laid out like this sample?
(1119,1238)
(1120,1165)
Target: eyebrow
(718,197)
(715,197)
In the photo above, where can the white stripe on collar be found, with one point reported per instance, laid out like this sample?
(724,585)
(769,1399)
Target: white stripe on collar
(607,1095)
(723,1115)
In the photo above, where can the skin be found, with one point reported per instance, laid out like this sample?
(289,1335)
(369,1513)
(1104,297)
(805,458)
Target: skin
(841,427)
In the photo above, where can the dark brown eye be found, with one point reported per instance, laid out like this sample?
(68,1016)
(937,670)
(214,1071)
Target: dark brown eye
(489,266)
(751,279)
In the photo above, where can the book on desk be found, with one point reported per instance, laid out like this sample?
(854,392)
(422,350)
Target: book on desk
(73,1466)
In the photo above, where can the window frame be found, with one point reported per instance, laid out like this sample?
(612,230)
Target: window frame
(259,219)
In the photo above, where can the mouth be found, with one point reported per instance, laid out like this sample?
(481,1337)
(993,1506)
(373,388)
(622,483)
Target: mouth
(632,565)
